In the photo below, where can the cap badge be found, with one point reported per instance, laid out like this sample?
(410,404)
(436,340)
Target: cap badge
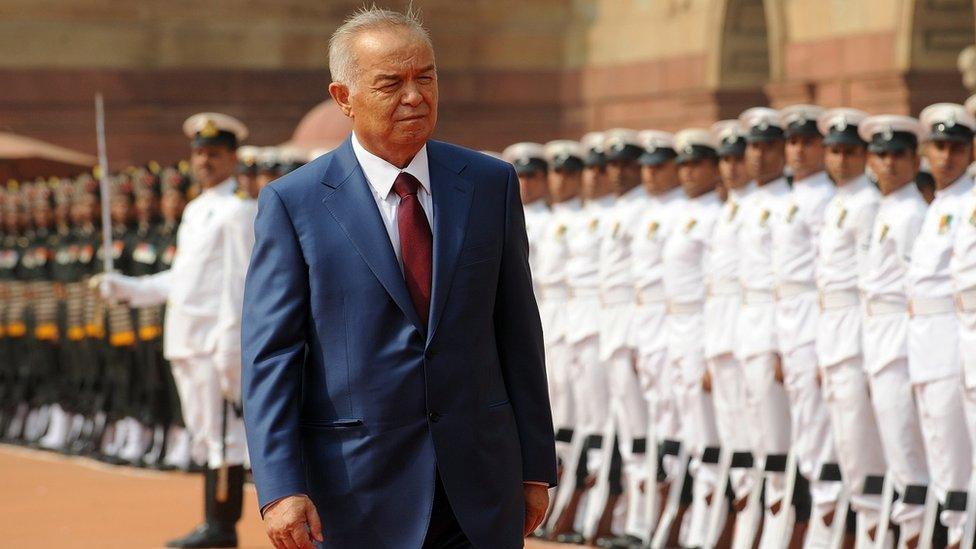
(209,130)
(887,133)
(763,125)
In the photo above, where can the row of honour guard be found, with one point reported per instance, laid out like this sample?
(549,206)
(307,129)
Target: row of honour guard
(762,333)
(86,367)
(759,334)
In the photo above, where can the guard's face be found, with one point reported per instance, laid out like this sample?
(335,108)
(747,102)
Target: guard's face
(532,186)
(948,160)
(212,164)
(121,210)
(393,101)
(732,169)
(804,155)
(845,162)
(765,160)
(43,216)
(564,184)
(172,205)
(623,175)
(592,184)
(893,169)
(698,176)
(660,178)
(146,207)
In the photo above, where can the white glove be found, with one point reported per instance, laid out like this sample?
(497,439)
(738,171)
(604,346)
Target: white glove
(229,374)
(114,286)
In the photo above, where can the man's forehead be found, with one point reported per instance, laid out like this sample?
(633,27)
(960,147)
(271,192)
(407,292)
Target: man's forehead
(393,47)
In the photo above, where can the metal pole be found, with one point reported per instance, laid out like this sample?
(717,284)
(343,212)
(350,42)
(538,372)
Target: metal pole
(107,258)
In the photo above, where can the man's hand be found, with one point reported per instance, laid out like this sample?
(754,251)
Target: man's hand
(536,505)
(778,368)
(292,522)
(707,382)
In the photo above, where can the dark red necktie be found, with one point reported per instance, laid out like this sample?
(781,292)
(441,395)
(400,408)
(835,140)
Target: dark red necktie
(416,244)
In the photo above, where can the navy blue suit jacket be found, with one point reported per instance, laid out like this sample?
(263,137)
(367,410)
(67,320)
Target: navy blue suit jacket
(349,399)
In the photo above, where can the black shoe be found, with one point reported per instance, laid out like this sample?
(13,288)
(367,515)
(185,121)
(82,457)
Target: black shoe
(621,542)
(574,538)
(206,535)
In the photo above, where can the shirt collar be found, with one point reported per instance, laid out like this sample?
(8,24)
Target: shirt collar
(224,188)
(854,186)
(381,174)
(908,191)
(742,192)
(958,187)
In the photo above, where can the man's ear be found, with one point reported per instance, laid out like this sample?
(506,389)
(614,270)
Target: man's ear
(340,94)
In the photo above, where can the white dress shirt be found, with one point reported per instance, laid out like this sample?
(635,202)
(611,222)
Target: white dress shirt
(933,339)
(844,241)
(884,279)
(381,175)
(963,267)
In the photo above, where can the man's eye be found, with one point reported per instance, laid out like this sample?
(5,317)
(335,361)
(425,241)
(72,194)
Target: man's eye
(425,79)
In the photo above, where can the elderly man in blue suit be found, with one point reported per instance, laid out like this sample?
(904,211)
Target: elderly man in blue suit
(394,386)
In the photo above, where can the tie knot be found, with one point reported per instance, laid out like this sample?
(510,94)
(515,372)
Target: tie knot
(405,185)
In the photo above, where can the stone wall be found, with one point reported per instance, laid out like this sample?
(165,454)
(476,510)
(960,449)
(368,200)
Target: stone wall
(509,69)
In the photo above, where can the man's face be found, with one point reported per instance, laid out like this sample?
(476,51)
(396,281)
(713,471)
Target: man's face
(393,99)
(172,205)
(948,161)
(732,170)
(894,170)
(212,164)
(804,155)
(564,184)
(660,178)
(532,186)
(121,209)
(43,216)
(249,183)
(698,176)
(623,175)
(593,183)
(146,207)
(845,162)
(765,160)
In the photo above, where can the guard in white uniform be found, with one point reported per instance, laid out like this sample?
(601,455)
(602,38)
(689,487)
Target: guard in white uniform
(757,344)
(892,159)
(934,360)
(685,257)
(590,393)
(530,164)
(565,173)
(796,233)
(203,293)
(623,471)
(842,251)
(648,333)
(722,303)
(963,266)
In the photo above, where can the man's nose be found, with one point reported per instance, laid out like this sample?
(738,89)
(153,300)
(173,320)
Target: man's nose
(411,95)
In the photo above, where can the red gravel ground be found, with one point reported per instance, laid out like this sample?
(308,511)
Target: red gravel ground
(48,500)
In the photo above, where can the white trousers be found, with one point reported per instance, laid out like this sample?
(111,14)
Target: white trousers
(811,436)
(203,405)
(733,418)
(859,448)
(770,404)
(560,392)
(949,455)
(901,439)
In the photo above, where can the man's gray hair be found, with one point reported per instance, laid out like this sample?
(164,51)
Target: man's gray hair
(342,60)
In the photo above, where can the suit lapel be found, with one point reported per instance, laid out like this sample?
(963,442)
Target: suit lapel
(451,195)
(352,205)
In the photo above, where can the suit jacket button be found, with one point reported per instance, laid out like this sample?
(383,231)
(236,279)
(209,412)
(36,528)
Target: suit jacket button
(434,417)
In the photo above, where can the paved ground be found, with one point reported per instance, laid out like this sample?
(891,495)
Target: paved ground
(54,501)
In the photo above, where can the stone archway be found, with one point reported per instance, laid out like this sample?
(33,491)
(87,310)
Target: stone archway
(931,35)
(740,61)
